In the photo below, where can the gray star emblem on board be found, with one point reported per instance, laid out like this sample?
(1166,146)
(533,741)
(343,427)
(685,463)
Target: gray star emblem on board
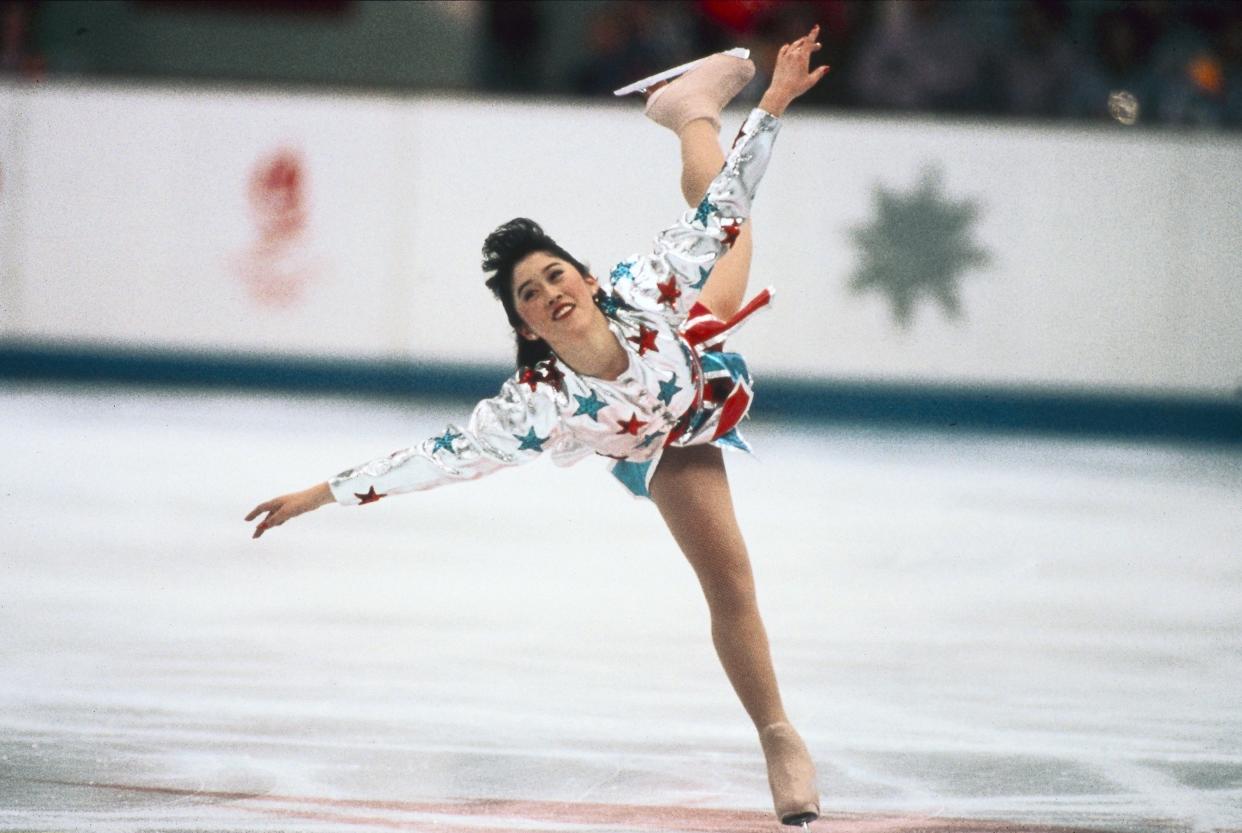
(917,245)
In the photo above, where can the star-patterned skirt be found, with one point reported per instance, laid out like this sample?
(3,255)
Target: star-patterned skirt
(725,391)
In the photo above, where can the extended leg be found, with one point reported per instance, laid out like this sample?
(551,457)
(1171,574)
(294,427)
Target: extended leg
(691,490)
(701,160)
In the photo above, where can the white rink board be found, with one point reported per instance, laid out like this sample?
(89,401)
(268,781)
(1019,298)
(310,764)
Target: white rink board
(11,200)
(1113,254)
(140,224)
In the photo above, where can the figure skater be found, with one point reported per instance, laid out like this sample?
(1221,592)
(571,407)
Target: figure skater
(633,368)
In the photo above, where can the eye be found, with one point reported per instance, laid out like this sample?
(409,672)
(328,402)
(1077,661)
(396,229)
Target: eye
(556,276)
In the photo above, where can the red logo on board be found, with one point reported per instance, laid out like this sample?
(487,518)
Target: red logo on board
(276,268)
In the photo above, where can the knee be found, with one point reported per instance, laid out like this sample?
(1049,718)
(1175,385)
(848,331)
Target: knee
(730,592)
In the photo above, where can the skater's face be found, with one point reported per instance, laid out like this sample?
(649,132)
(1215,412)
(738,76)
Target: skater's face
(554,300)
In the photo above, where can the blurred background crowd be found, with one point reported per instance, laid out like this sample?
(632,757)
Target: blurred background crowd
(1181,60)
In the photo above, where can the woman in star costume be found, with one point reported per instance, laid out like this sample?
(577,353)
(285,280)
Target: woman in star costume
(633,368)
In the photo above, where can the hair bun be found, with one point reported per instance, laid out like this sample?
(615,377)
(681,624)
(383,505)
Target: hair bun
(513,237)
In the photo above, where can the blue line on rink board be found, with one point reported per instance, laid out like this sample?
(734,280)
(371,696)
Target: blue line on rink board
(980,408)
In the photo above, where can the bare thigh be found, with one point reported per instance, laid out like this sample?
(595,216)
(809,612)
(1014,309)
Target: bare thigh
(691,490)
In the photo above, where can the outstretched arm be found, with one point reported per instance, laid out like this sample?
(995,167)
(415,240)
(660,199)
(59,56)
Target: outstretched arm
(506,430)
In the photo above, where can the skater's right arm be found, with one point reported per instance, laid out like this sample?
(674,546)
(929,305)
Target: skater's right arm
(506,430)
(281,509)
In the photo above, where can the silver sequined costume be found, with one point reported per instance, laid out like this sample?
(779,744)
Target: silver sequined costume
(680,387)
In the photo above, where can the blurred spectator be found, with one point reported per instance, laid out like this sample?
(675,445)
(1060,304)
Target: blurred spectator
(512,54)
(627,41)
(1203,87)
(1181,59)
(919,57)
(1035,71)
(737,17)
(1123,41)
(780,23)
(1231,64)
(15,38)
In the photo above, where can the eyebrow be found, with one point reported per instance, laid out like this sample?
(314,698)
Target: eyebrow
(524,283)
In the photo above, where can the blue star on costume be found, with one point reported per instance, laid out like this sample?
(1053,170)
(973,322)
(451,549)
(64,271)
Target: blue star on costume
(621,270)
(668,390)
(703,275)
(589,405)
(445,442)
(531,440)
(705,210)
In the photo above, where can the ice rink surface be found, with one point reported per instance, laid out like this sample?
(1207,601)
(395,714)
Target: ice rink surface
(985,633)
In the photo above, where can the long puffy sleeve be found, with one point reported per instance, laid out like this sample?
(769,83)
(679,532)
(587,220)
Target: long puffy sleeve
(507,430)
(671,277)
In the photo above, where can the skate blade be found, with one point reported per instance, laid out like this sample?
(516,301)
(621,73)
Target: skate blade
(639,86)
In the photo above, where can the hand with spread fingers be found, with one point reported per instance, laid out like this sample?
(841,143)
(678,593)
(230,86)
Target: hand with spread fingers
(281,509)
(792,76)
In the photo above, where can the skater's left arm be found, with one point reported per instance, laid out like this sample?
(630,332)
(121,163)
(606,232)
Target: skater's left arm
(792,75)
(675,272)
(672,276)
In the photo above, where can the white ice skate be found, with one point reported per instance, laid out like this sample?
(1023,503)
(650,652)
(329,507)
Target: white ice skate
(669,74)
(698,90)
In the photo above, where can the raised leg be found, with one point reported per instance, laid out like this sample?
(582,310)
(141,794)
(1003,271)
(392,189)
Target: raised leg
(701,160)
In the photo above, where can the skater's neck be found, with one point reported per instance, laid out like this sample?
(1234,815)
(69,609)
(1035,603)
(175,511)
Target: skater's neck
(596,353)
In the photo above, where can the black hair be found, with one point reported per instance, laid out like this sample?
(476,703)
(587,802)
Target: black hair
(502,250)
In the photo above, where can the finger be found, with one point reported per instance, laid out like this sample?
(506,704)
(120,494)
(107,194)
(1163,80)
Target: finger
(275,518)
(254,513)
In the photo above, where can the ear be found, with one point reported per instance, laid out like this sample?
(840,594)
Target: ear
(527,333)
(590,281)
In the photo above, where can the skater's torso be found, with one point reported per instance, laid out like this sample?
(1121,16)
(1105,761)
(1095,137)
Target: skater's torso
(679,387)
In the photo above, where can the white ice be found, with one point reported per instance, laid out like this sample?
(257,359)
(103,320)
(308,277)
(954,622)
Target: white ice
(988,627)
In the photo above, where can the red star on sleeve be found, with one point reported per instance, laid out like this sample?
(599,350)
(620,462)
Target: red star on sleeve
(632,425)
(731,230)
(646,340)
(669,293)
(553,376)
(369,497)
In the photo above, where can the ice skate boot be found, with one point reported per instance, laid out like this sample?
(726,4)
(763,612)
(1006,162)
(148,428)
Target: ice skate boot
(791,775)
(701,90)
